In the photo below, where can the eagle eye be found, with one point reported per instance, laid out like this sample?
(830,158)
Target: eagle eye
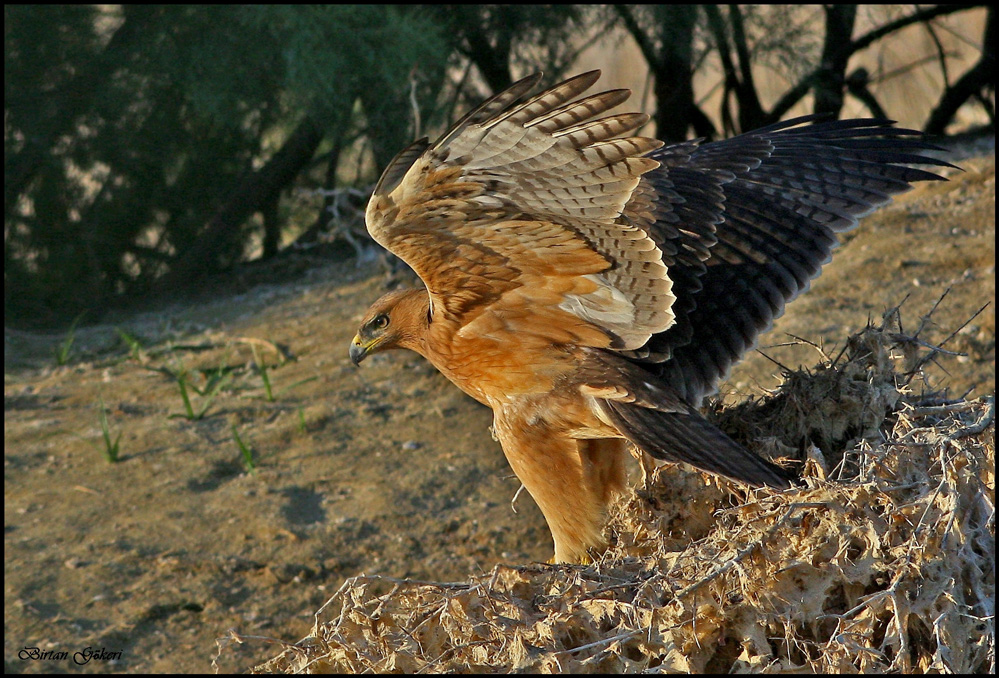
(380,322)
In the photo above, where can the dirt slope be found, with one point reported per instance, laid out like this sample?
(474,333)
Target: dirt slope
(386,469)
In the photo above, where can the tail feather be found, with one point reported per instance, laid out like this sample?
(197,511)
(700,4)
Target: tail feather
(690,438)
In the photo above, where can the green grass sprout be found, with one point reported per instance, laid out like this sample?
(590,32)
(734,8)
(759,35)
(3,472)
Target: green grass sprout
(134,347)
(63,349)
(111,449)
(246,451)
(262,368)
(218,380)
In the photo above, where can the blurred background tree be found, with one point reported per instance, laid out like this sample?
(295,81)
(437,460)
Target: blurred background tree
(146,147)
(139,140)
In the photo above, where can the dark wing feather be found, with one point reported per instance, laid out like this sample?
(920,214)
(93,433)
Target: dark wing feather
(751,220)
(656,419)
(686,436)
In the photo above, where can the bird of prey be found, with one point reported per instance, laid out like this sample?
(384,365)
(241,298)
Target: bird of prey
(591,287)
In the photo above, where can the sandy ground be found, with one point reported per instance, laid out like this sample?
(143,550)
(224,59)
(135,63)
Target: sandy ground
(387,469)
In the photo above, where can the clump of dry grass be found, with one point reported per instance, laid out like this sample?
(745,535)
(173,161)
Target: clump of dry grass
(883,561)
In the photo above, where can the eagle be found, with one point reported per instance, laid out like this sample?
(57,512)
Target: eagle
(592,286)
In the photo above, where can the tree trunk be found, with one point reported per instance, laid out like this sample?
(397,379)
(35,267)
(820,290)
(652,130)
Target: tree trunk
(751,113)
(493,62)
(830,81)
(674,73)
(249,197)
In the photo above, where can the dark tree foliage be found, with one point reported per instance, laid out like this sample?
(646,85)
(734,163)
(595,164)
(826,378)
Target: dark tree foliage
(139,140)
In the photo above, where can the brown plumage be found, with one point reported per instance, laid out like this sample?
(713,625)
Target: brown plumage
(592,287)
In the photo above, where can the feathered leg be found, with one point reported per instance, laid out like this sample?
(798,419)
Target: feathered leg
(572,481)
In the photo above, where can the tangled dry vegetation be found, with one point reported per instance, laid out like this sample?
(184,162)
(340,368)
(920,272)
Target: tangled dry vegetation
(883,561)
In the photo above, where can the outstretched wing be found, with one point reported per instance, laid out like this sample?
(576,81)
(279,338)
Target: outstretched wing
(513,221)
(746,223)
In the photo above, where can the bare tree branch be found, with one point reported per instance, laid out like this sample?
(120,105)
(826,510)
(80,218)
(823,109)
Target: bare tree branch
(981,76)
(798,92)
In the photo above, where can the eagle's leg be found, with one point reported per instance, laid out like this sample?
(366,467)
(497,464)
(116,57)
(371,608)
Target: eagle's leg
(604,466)
(572,481)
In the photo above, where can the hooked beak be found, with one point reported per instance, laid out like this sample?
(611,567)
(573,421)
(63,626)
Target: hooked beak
(359,350)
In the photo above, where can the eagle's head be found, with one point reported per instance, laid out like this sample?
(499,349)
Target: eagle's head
(399,319)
